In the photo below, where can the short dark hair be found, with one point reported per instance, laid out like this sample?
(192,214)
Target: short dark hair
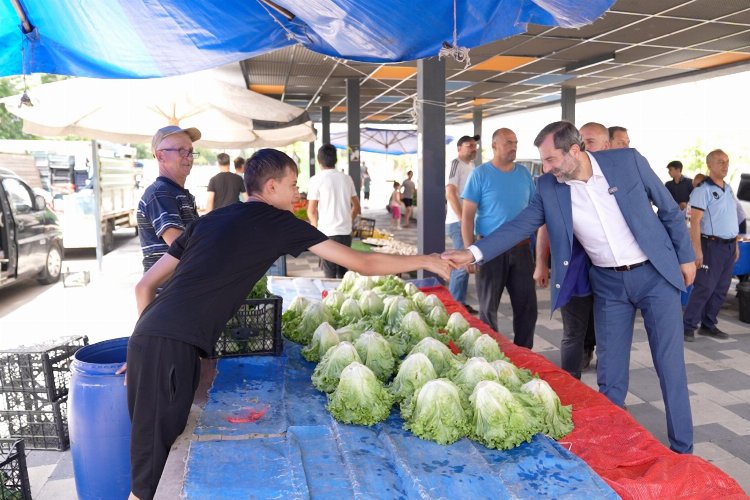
(327,155)
(564,135)
(266,164)
(614,129)
(222,158)
(239,163)
(675,164)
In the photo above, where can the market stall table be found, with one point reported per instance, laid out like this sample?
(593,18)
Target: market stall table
(265,432)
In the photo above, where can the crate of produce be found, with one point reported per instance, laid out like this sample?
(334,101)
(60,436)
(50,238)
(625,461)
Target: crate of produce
(45,428)
(14,476)
(365,228)
(41,369)
(254,330)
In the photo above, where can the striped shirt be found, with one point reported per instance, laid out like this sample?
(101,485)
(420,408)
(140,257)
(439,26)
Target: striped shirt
(457,175)
(164,204)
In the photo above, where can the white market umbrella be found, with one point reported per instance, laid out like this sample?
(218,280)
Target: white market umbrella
(130,111)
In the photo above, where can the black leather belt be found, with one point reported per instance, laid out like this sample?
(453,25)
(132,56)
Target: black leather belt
(716,238)
(628,267)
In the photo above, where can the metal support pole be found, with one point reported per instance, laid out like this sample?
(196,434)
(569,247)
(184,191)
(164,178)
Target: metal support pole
(477,119)
(431,149)
(325,121)
(97,187)
(312,158)
(352,122)
(568,104)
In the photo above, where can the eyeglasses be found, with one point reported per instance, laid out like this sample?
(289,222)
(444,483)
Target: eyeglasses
(184,153)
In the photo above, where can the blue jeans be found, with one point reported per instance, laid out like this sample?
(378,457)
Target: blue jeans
(459,282)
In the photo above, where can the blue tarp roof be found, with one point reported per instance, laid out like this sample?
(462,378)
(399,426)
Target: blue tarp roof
(155,38)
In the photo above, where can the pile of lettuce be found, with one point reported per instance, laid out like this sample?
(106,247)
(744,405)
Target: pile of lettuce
(379,341)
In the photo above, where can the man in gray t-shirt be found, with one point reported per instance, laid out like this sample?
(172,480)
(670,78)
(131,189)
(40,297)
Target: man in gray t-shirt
(408,192)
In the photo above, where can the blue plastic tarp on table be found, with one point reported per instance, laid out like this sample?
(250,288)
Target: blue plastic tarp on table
(297,450)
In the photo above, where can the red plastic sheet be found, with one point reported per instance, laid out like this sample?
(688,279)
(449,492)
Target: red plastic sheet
(634,463)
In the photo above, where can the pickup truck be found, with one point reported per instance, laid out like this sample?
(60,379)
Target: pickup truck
(30,237)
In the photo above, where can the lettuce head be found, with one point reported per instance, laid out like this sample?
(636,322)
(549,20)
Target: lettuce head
(326,375)
(472,372)
(510,375)
(438,412)
(371,303)
(350,312)
(456,325)
(323,339)
(440,355)
(415,370)
(313,315)
(359,398)
(556,419)
(499,420)
(466,341)
(375,352)
(487,348)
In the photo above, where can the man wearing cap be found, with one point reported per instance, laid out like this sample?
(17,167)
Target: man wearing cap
(166,207)
(457,175)
(495,193)
(713,232)
(680,186)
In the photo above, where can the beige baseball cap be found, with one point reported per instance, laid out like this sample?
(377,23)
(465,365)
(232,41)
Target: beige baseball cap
(164,132)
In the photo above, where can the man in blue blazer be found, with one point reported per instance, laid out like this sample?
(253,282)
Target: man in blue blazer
(605,236)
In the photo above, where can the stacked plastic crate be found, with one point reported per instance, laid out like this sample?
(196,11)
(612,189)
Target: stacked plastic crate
(34,383)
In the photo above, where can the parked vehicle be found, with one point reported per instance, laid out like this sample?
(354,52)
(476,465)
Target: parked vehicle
(65,170)
(30,235)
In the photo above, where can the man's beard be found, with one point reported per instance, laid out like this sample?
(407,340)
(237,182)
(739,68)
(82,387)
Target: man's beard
(570,174)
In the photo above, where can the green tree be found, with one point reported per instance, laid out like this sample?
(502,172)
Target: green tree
(11,127)
(693,160)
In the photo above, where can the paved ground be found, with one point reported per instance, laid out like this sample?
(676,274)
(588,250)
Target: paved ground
(718,370)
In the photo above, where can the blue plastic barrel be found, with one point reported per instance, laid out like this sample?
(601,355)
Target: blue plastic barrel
(99,423)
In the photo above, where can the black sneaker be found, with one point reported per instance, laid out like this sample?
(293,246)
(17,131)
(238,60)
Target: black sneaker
(713,332)
(470,309)
(689,336)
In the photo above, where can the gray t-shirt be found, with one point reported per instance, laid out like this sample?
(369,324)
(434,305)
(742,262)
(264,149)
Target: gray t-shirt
(408,189)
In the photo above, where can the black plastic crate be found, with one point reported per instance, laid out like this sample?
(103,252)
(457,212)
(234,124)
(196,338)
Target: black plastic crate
(14,476)
(42,429)
(42,369)
(255,329)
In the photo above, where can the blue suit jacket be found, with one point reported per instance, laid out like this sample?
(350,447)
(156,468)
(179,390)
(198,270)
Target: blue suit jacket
(662,236)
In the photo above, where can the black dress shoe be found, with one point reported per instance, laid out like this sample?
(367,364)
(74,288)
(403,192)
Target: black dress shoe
(470,309)
(713,332)
(689,336)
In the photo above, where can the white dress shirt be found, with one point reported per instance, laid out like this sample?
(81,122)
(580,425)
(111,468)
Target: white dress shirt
(598,223)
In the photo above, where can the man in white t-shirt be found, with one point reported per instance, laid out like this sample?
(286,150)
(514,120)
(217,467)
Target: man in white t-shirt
(456,176)
(332,205)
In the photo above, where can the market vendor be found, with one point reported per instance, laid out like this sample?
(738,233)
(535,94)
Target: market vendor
(208,271)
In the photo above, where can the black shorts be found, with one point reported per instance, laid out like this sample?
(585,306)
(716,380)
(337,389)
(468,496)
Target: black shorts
(163,375)
(407,202)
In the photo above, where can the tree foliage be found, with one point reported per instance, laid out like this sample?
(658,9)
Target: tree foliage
(11,127)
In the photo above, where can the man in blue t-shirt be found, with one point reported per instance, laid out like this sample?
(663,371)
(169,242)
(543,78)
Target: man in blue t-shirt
(713,232)
(496,192)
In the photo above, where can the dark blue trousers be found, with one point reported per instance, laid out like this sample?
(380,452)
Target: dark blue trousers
(617,296)
(711,284)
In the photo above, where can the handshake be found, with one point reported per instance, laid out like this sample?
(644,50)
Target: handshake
(460,258)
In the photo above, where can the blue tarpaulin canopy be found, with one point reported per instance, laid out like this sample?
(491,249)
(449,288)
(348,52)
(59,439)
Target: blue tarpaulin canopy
(156,38)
